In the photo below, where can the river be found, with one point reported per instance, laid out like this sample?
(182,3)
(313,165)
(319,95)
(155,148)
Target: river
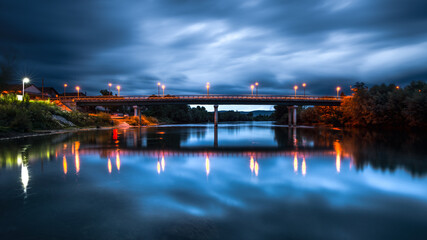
(243,181)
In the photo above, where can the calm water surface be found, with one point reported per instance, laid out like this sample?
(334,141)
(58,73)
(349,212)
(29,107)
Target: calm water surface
(245,181)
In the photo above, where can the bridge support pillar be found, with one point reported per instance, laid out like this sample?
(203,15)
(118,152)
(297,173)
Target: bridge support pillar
(216,115)
(295,115)
(139,115)
(290,108)
(135,111)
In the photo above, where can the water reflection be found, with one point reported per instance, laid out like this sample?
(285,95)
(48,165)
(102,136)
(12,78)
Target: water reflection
(64,165)
(278,187)
(25,177)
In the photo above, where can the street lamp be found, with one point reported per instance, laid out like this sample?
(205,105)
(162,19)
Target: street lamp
(163,87)
(65,85)
(78,91)
(295,88)
(338,90)
(207,87)
(24,81)
(118,89)
(303,85)
(109,88)
(252,90)
(158,89)
(256,85)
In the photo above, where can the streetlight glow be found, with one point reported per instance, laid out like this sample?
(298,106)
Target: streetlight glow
(118,89)
(109,88)
(252,89)
(78,91)
(207,87)
(24,81)
(303,85)
(158,89)
(338,90)
(295,88)
(163,88)
(256,85)
(65,85)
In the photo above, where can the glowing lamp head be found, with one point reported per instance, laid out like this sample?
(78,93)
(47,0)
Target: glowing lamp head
(338,88)
(26,80)
(252,86)
(110,84)
(397,87)
(304,84)
(118,87)
(163,86)
(295,87)
(77,88)
(158,84)
(65,85)
(256,84)
(208,85)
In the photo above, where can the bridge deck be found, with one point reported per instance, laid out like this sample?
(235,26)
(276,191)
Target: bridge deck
(204,99)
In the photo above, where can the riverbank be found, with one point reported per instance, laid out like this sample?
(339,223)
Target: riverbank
(35,118)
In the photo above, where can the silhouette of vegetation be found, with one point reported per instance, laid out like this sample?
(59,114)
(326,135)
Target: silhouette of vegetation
(182,113)
(105,92)
(378,106)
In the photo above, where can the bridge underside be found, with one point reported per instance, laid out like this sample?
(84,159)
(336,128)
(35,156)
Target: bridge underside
(131,102)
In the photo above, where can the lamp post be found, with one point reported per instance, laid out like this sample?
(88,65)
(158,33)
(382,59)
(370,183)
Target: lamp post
(24,81)
(207,87)
(65,85)
(109,88)
(256,85)
(303,85)
(163,88)
(78,91)
(338,90)
(158,89)
(118,90)
(295,88)
(252,90)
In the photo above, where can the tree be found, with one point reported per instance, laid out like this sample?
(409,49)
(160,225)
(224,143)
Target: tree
(105,92)
(7,67)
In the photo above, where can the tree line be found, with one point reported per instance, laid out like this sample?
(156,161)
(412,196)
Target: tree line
(379,106)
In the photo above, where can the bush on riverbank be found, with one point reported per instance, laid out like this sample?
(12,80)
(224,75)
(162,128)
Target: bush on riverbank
(378,106)
(27,115)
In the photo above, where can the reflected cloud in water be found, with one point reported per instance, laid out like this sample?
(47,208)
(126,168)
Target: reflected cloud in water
(277,186)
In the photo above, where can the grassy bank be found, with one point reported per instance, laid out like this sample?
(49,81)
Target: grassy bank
(27,116)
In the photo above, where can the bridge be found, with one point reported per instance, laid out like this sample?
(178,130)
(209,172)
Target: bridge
(138,101)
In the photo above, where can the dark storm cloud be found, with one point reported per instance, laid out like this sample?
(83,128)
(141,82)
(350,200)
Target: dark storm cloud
(230,44)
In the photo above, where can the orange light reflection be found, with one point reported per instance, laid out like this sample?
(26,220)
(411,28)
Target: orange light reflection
(163,163)
(303,167)
(118,161)
(295,163)
(109,166)
(256,168)
(208,167)
(64,164)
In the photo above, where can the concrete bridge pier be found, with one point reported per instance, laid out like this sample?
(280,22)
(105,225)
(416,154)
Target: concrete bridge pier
(295,115)
(216,116)
(292,115)
(137,113)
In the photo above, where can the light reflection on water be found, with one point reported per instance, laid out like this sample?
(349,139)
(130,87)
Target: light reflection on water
(191,182)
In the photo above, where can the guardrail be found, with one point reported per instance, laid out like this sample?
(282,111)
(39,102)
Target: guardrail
(198,97)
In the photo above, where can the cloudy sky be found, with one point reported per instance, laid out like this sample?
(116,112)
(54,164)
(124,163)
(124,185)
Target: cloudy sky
(229,43)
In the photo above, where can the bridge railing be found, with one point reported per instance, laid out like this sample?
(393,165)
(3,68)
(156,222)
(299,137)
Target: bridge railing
(190,97)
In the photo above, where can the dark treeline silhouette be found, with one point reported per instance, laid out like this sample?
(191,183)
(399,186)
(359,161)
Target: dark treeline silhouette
(378,106)
(182,113)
